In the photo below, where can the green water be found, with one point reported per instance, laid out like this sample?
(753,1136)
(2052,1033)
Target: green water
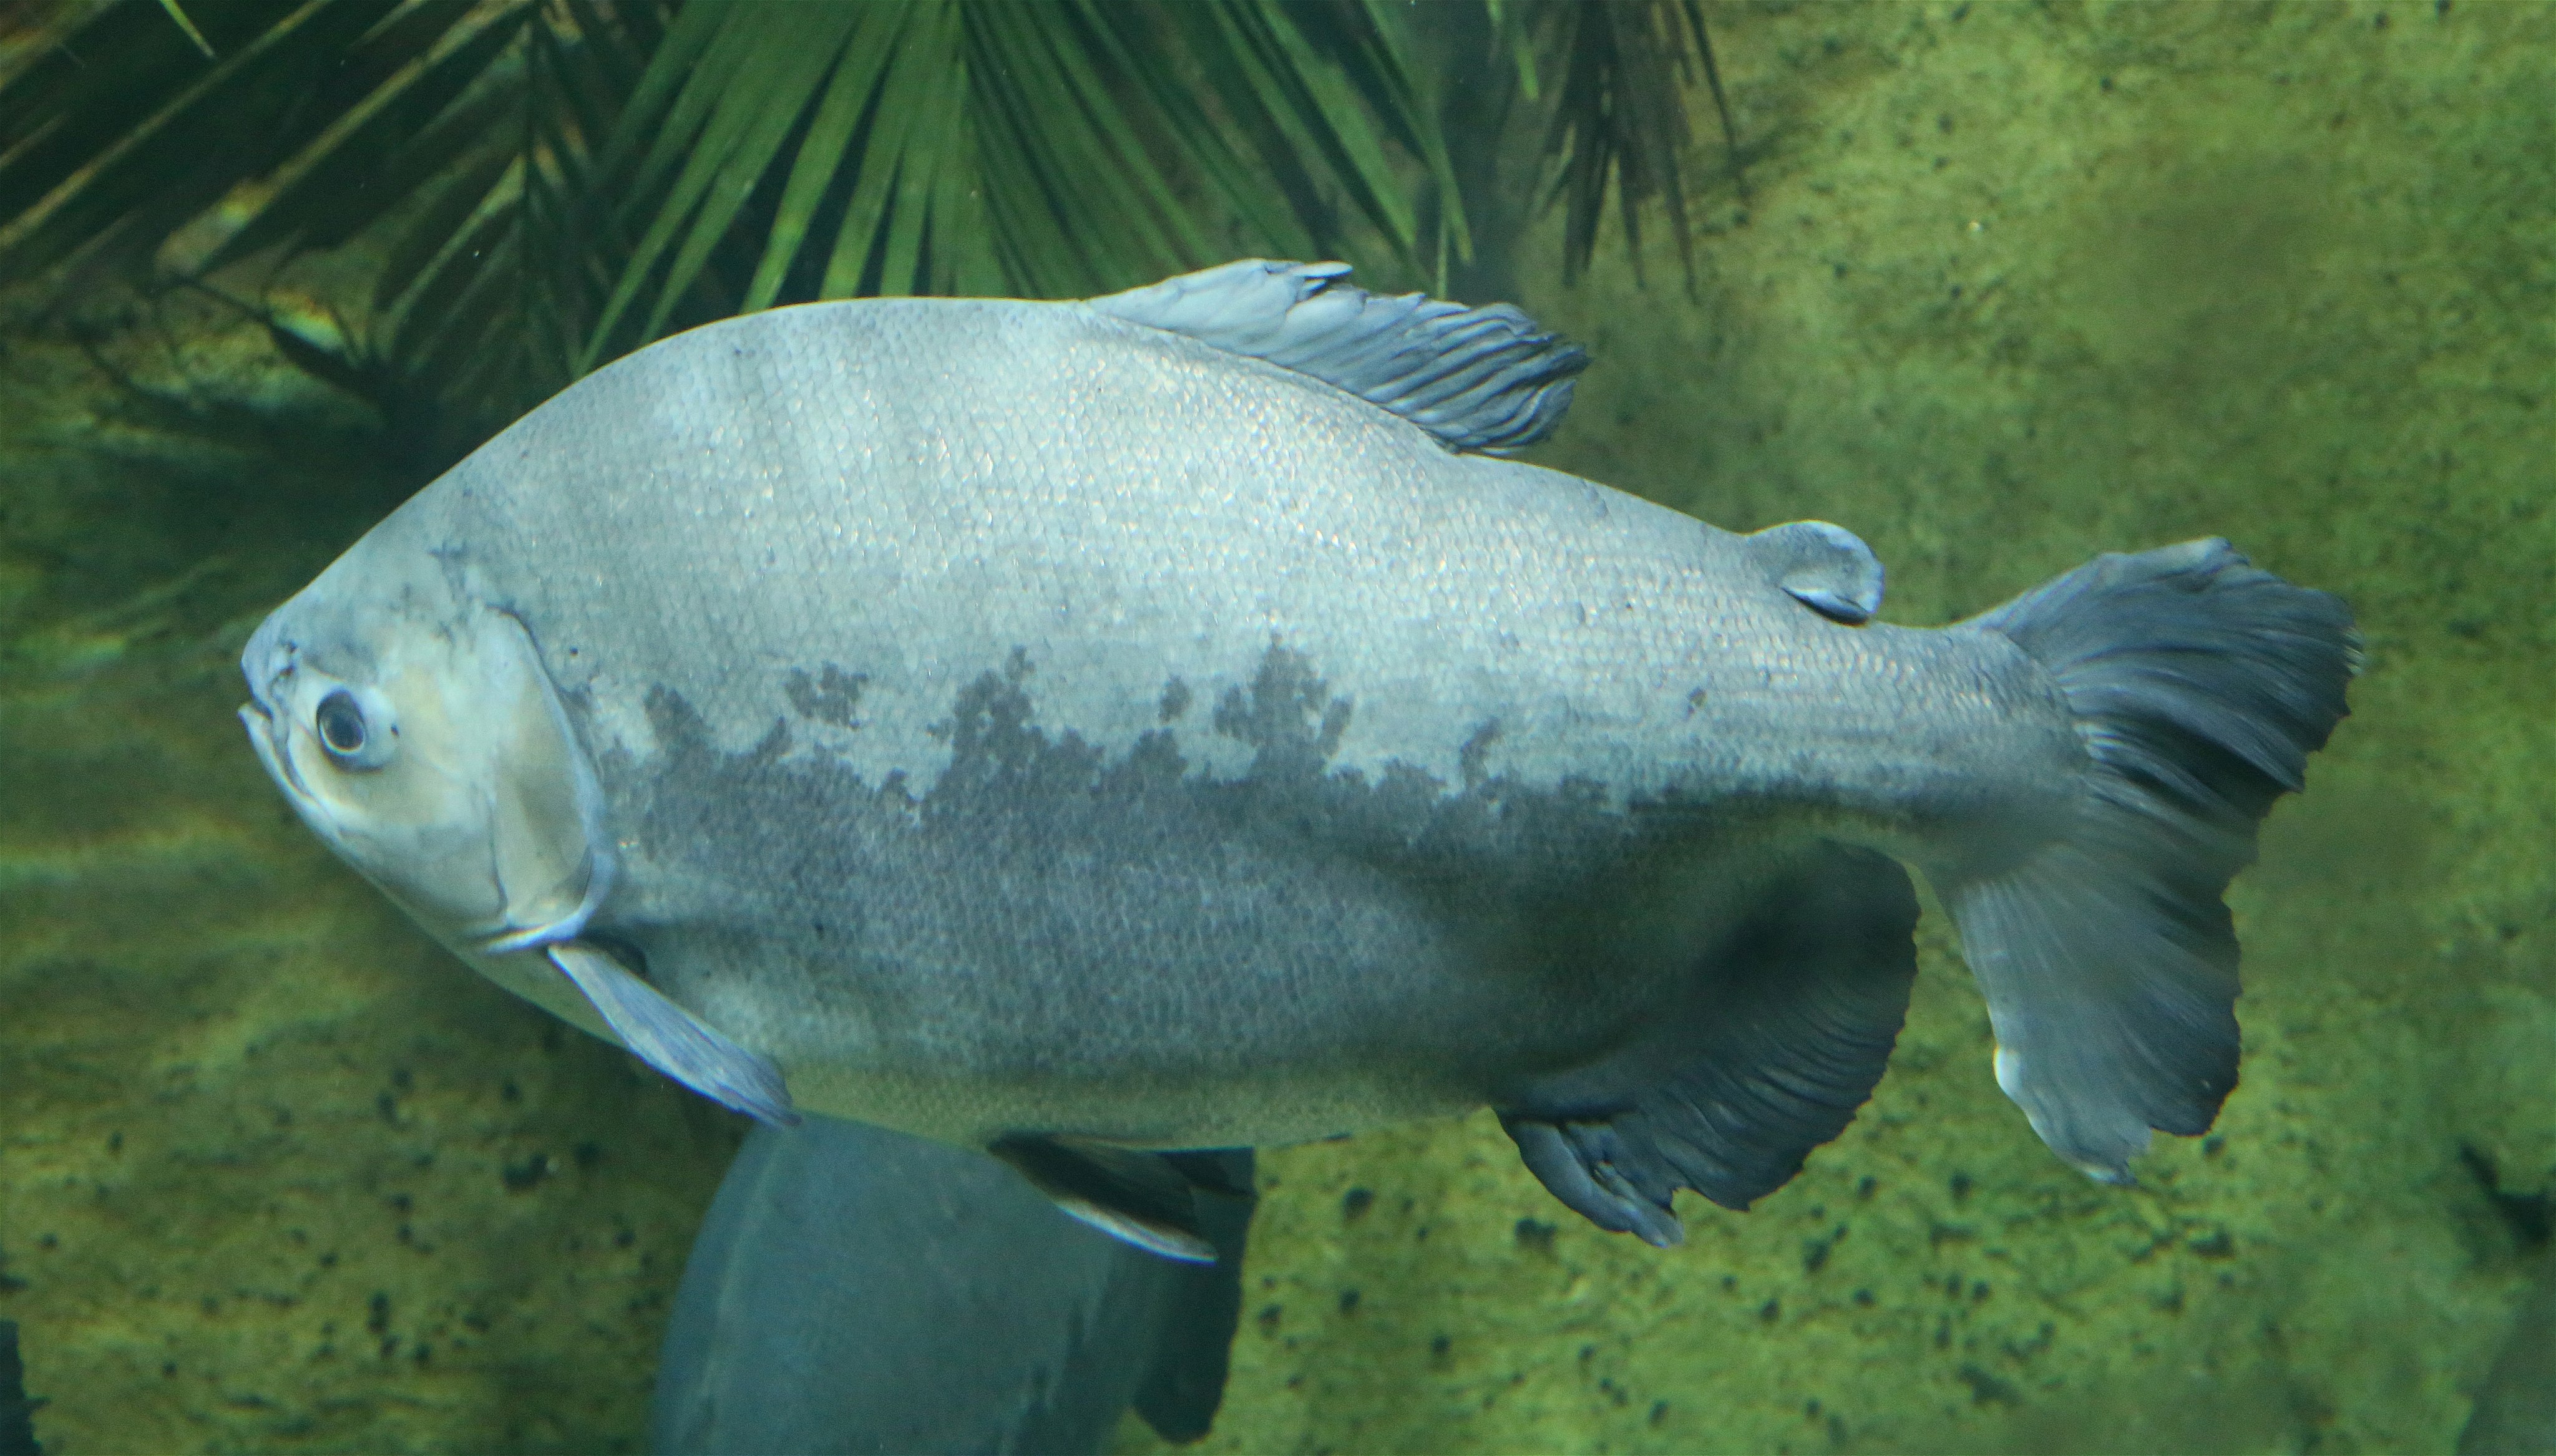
(2013,285)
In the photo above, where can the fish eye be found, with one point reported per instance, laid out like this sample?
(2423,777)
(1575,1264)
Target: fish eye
(341,723)
(355,740)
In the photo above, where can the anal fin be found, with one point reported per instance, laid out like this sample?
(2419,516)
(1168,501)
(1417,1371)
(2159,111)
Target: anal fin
(1792,1023)
(674,1041)
(1148,1199)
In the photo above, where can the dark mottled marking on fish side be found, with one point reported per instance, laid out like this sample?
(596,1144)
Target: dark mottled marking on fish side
(830,696)
(1049,915)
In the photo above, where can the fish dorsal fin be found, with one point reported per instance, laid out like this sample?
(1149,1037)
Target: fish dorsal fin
(1827,568)
(1486,381)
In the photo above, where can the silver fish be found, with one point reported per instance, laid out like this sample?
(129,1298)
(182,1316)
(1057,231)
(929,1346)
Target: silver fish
(1164,721)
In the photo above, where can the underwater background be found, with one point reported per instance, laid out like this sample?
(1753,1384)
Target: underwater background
(2010,284)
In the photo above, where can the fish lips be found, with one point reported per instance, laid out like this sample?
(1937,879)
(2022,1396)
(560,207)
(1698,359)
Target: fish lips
(265,663)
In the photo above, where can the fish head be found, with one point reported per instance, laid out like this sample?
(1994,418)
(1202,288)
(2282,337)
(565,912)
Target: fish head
(415,730)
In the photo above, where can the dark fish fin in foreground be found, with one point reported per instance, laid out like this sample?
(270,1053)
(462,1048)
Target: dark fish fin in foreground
(17,1413)
(1827,568)
(674,1041)
(1488,379)
(1793,1022)
(1184,1381)
(855,1290)
(2200,684)
(1148,1199)
(2515,1408)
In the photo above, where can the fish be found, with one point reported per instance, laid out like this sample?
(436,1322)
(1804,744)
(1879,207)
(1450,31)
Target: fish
(1082,731)
(17,1410)
(2514,1412)
(855,1290)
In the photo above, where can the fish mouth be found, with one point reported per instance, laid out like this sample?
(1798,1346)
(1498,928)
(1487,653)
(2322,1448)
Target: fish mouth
(264,733)
(264,664)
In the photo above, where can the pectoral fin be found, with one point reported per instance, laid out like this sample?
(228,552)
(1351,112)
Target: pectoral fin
(1144,1198)
(674,1041)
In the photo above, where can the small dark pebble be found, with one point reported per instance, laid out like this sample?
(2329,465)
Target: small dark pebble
(521,1176)
(1987,1389)
(1535,1233)
(1355,1202)
(1349,1301)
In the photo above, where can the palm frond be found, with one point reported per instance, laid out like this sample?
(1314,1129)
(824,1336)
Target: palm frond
(546,184)
(941,146)
(1618,118)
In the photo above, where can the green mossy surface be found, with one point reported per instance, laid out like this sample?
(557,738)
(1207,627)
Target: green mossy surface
(2013,285)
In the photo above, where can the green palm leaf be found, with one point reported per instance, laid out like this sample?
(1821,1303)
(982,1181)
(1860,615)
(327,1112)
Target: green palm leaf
(937,146)
(545,184)
(1620,120)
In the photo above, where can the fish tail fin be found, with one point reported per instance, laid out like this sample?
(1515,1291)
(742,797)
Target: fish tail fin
(2199,685)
